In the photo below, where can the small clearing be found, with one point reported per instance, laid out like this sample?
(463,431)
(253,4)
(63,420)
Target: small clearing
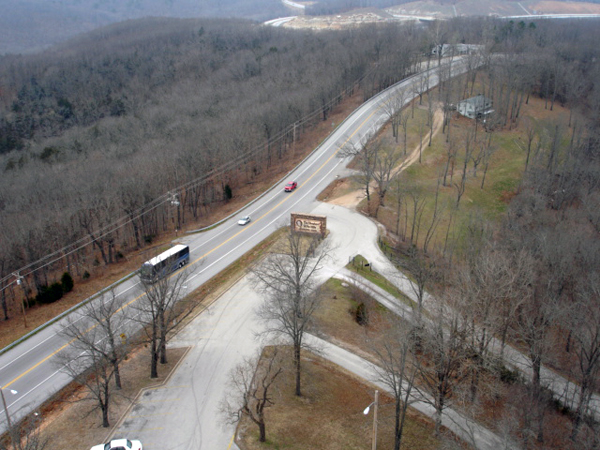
(352,199)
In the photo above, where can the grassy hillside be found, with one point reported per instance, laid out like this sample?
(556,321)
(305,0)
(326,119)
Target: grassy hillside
(487,193)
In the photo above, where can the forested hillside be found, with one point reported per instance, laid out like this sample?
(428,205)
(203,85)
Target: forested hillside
(105,130)
(144,127)
(32,25)
(98,136)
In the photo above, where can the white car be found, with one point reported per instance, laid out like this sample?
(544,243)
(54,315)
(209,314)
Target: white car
(244,220)
(119,444)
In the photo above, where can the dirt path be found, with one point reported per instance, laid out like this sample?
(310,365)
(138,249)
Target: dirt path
(352,199)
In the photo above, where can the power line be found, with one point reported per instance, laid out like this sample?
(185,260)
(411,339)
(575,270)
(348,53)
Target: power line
(123,221)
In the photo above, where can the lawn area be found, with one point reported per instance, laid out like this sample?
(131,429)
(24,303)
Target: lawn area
(329,415)
(487,199)
(360,266)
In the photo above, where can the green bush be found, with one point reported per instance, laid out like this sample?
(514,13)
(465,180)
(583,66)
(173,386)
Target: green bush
(67,282)
(362,315)
(49,294)
(228,192)
(507,375)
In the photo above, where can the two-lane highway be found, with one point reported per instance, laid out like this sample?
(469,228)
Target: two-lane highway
(29,369)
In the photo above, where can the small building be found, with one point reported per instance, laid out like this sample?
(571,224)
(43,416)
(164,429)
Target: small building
(456,49)
(474,107)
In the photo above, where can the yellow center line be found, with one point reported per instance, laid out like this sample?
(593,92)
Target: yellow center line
(291,194)
(207,253)
(36,365)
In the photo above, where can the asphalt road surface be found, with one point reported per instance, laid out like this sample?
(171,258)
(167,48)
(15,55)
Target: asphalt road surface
(183,414)
(29,374)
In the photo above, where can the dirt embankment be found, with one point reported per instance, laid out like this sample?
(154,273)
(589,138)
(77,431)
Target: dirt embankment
(352,199)
(440,10)
(556,7)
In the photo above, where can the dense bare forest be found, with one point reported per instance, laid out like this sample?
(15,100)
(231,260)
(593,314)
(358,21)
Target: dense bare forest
(530,280)
(98,135)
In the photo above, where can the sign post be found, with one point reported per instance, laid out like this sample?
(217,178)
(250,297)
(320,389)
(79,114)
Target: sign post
(309,224)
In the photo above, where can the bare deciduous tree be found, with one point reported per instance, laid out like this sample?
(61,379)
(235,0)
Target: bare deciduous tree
(398,192)
(492,284)
(443,354)
(532,327)
(288,277)
(462,185)
(420,87)
(366,155)
(158,308)
(249,385)
(95,350)
(394,110)
(94,371)
(451,151)
(98,330)
(28,436)
(415,204)
(584,324)
(397,369)
(422,270)
(385,162)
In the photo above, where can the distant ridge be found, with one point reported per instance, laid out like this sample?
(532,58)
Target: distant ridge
(28,26)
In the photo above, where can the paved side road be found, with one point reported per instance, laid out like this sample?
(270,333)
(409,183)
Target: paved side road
(184,413)
(465,428)
(566,391)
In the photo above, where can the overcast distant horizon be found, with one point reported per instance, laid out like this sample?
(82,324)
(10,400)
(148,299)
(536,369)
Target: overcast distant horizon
(28,26)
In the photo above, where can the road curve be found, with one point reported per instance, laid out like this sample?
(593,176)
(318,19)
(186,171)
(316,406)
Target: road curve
(29,368)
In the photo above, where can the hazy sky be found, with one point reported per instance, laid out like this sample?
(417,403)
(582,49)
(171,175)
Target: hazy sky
(29,25)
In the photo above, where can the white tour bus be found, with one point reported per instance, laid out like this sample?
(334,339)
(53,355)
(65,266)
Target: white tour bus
(162,265)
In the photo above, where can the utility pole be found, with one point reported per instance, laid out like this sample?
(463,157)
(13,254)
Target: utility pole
(5,410)
(366,411)
(375,404)
(19,282)
(10,430)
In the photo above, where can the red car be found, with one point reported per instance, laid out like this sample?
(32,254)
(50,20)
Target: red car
(290,186)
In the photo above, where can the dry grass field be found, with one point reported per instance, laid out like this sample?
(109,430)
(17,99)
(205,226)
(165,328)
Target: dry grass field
(329,415)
